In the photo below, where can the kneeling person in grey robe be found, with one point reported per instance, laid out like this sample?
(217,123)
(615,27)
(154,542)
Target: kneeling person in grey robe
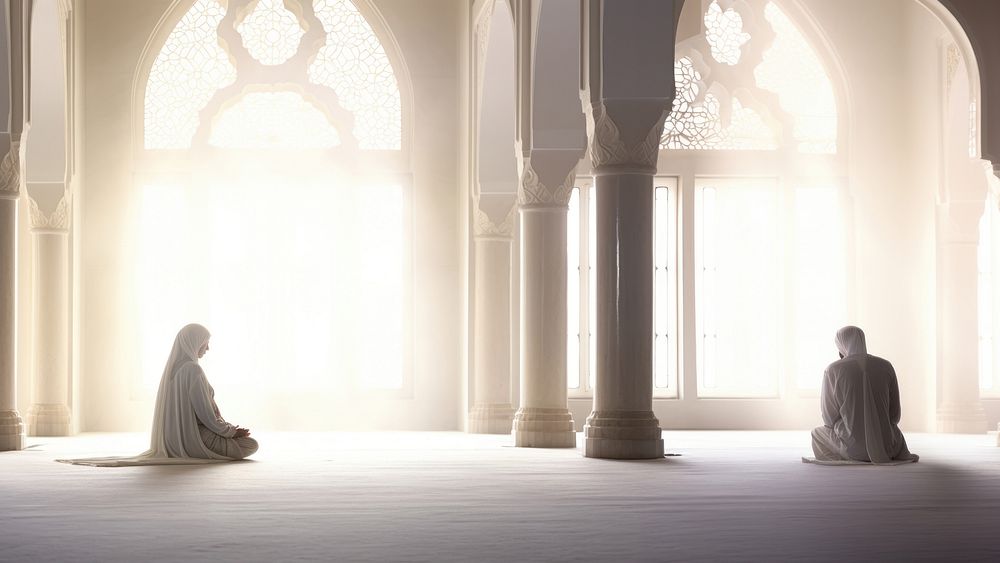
(860,404)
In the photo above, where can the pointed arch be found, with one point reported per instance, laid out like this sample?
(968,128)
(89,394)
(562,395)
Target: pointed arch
(365,21)
(968,53)
(737,51)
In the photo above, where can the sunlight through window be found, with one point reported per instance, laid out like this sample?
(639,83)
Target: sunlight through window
(273,120)
(296,266)
(738,286)
(793,71)
(354,64)
(820,279)
(189,69)
(271,33)
(294,303)
(724,32)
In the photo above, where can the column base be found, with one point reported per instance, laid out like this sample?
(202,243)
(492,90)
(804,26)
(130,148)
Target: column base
(623,435)
(48,420)
(956,418)
(491,419)
(544,428)
(11,431)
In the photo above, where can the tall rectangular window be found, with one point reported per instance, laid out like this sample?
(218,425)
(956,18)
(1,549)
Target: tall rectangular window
(579,290)
(581,263)
(591,230)
(574,327)
(282,276)
(738,284)
(820,293)
(665,343)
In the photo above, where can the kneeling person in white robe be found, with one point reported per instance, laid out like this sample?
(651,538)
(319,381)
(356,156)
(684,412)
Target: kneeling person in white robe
(860,404)
(190,422)
(187,425)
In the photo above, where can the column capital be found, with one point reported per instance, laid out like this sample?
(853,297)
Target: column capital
(489,207)
(547,178)
(10,174)
(56,222)
(625,135)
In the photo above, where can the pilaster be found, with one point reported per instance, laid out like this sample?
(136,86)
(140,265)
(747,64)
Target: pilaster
(11,426)
(49,414)
(493,236)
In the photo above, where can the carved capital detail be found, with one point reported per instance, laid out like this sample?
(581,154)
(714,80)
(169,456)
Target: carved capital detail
(608,148)
(533,193)
(10,174)
(58,220)
(952,60)
(483,226)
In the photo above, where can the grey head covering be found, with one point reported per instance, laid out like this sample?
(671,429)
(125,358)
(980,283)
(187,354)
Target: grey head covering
(850,341)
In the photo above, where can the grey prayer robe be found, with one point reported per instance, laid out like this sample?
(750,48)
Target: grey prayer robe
(860,404)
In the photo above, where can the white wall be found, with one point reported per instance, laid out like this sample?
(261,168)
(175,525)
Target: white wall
(894,188)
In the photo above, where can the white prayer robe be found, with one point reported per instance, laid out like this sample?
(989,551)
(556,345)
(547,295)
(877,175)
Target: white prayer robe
(860,406)
(190,402)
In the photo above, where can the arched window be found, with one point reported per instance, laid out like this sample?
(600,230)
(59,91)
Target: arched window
(273,200)
(750,240)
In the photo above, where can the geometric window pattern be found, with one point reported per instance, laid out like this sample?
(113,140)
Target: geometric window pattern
(193,65)
(271,33)
(698,126)
(189,69)
(273,120)
(789,68)
(354,64)
(724,33)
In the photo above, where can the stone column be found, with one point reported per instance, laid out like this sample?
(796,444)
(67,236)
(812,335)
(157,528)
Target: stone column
(11,426)
(492,412)
(627,92)
(49,414)
(543,419)
(622,424)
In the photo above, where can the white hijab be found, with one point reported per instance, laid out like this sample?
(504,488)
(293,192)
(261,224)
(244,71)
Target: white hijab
(850,342)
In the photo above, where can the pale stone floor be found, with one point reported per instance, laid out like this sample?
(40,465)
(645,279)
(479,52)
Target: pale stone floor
(457,497)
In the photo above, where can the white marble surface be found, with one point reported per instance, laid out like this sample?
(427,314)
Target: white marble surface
(458,497)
